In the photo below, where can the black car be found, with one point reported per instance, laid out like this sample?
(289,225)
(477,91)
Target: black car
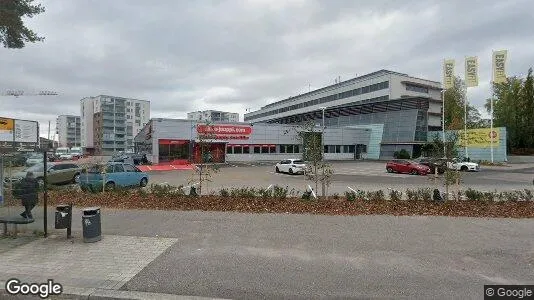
(433,163)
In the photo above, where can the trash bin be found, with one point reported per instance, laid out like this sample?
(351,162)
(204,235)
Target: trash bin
(63,216)
(92,231)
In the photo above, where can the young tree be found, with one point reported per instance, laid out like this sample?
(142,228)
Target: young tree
(317,170)
(13,32)
(204,169)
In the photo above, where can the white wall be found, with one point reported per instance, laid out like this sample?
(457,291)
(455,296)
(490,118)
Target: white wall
(87,109)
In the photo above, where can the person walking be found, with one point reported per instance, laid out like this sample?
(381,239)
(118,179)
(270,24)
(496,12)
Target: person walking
(27,191)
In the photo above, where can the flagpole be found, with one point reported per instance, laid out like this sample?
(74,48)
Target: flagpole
(443,121)
(465,114)
(491,104)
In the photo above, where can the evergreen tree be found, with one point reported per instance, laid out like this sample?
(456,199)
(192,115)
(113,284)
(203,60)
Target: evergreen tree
(13,32)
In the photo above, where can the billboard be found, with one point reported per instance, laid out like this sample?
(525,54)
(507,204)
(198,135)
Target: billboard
(479,138)
(225,132)
(26,131)
(6,130)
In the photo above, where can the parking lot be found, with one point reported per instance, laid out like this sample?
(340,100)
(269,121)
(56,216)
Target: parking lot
(358,175)
(363,175)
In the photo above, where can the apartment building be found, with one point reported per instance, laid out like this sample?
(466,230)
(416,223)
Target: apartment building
(110,123)
(68,129)
(213,116)
(406,107)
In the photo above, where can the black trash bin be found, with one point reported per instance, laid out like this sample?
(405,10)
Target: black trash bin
(63,216)
(91,224)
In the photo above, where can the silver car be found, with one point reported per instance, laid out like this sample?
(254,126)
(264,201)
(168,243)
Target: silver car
(34,159)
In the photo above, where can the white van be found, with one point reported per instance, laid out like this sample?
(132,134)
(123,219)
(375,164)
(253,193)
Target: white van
(63,153)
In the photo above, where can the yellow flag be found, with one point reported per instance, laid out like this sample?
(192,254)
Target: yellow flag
(471,71)
(499,66)
(448,73)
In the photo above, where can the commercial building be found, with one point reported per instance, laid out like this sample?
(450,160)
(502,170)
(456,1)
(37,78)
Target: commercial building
(213,116)
(109,123)
(406,107)
(68,129)
(172,140)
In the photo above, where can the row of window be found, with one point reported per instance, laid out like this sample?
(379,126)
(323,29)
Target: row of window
(338,96)
(415,88)
(259,149)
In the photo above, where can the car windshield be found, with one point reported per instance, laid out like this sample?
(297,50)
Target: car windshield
(36,155)
(298,162)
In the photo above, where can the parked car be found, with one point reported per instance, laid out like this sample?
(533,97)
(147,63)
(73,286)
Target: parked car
(130,158)
(291,166)
(459,165)
(112,175)
(76,152)
(406,166)
(14,160)
(34,159)
(58,173)
(433,164)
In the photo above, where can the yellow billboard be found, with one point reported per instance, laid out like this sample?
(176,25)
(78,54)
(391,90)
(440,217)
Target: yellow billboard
(6,129)
(479,138)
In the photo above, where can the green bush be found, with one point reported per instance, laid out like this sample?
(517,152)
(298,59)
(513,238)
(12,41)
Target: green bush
(265,193)
(488,196)
(402,154)
(350,196)
(473,195)
(224,192)
(376,195)
(361,195)
(395,195)
(335,196)
(306,195)
(425,194)
(279,192)
(509,196)
(166,190)
(243,192)
(412,195)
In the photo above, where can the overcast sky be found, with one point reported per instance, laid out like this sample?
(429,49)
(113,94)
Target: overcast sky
(237,55)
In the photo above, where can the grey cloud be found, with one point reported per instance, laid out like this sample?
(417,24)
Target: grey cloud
(183,55)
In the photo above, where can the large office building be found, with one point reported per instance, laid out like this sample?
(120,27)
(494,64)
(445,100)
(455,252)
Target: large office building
(406,108)
(109,123)
(68,130)
(213,116)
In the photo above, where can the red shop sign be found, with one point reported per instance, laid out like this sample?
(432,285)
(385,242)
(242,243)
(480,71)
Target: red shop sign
(172,142)
(224,129)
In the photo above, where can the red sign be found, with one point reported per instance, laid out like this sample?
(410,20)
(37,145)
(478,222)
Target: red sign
(224,129)
(172,142)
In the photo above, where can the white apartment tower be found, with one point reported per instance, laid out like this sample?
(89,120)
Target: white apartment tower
(213,116)
(109,123)
(68,129)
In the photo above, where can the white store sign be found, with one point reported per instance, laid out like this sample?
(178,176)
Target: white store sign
(26,131)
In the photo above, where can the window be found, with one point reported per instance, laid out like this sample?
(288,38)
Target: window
(229,149)
(351,148)
(129,168)
(365,90)
(325,150)
(296,149)
(238,149)
(338,149)
(346,149)
(415,88)
(246,149)
(257,149)
(272,149)
(264,149)
(119,168)
(283,148)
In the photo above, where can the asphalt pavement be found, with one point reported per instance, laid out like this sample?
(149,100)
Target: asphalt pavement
(367,175)
(285,256)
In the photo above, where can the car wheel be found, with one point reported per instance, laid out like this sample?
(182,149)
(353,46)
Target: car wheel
(414,172)
(144,182)
(76,178)
(277,170)
(110,186)
(291,171)
(463,168)
(389,170)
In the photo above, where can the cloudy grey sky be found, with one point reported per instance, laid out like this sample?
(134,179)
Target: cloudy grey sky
(234,55)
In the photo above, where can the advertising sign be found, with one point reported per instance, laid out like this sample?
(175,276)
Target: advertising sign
(225,132)
(26,131)
(479,138)
(1,180)
(471,71)
(6,130)
(499,66)
(448,73)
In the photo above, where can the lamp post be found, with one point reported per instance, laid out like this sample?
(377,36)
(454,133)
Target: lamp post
(443,122)
(322,133)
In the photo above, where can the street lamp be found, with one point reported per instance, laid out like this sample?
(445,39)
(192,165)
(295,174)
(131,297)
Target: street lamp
(443,121)
(322,134)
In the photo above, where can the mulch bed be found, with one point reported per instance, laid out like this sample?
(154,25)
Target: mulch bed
(331,206)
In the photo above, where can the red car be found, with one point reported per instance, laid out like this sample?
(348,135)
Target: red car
(407,166)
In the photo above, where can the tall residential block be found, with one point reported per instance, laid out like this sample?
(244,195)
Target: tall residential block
(68,129)
(213,116)
(109,123)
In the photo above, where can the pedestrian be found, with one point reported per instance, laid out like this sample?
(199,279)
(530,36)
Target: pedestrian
(28,189)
